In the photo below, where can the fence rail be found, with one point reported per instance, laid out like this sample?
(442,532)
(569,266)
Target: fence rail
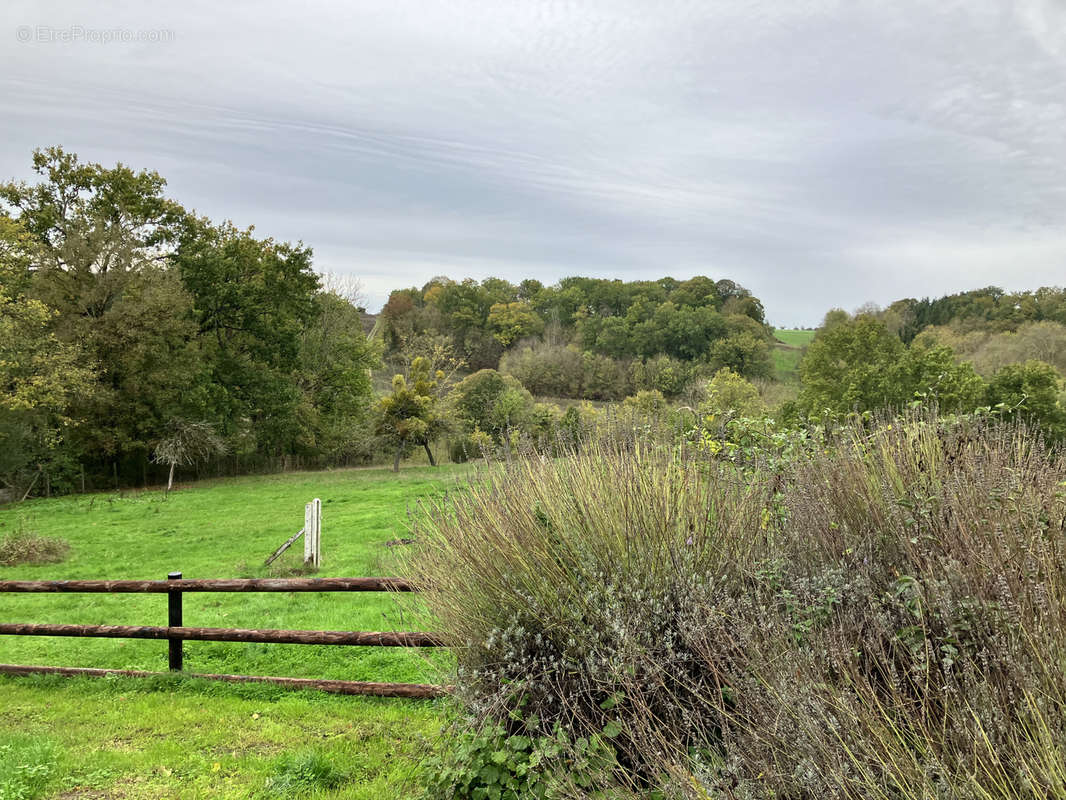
(214,585)
(175,632)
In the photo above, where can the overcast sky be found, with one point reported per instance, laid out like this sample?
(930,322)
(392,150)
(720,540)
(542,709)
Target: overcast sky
(820,153)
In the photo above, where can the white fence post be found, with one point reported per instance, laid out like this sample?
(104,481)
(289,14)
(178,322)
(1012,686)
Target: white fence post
(318,532)
(313,533)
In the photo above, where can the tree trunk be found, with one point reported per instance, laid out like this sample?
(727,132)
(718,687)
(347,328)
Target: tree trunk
(396,462)
(170,478)
(429,453)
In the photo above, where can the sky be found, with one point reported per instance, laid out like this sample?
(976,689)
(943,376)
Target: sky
(822,154)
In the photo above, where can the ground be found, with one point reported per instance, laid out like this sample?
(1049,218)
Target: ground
(152,738)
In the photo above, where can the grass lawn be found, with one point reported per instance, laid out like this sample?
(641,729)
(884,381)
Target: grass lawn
(165,738)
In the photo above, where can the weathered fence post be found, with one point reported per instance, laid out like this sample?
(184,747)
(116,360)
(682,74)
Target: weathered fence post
(313,533)
(174,621)
(318,532)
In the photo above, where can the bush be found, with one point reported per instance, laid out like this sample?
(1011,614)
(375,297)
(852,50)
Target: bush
(557,371)
(546,370)
(492,763)
(884,617)
(730,395)
(473,445)
(663,374)
(490,402)
(647,402)
(1029,391)
(22,546)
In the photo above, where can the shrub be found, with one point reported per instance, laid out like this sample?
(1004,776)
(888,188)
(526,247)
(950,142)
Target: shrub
(546,370)
(882,618)
(491,402)
(490,762)
(1029,391)
(22,546)
(646,402)
(663,374)
(604,378)
(473,445)
(558,371)
(730,395)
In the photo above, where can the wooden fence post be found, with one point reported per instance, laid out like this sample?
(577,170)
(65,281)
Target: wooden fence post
(318,532)
(313,533)
(174,621)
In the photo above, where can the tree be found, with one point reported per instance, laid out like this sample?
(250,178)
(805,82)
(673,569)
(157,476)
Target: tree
(411,415)
(187,443)
(510,322)
(41,378)
(847,368)
(1030,392)
(490,402)
(334,376)
(252,300)
(743,352)
(101,239)
(859,365)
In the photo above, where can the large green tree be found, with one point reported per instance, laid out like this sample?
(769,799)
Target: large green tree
(102,238)
(859,365)
(251,301)
(42,379)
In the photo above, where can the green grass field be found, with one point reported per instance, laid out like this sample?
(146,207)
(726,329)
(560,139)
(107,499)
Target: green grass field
(786,355)
(160,738)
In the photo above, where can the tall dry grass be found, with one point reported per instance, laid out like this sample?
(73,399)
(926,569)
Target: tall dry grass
(882,618)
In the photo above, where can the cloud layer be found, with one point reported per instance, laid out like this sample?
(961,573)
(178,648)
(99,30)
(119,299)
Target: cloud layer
(821,153)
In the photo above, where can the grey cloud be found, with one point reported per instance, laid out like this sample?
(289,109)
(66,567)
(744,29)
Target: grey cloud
(822,153)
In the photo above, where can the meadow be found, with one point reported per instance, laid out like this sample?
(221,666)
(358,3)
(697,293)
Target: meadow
(787,352)
(172,737)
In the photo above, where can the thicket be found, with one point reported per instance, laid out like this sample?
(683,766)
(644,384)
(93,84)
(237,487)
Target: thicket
(875,611)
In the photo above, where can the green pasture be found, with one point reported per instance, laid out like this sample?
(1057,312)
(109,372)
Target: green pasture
(787,353)
(181,738)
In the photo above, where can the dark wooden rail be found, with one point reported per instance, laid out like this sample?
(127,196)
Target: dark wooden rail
(416,691)
(214,585)
(175,632)
(355,638)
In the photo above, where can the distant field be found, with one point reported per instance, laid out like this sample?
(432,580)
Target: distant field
(223,741)
(794,338)
(786,355)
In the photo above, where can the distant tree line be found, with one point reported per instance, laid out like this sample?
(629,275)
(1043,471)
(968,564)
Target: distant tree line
(587,337)
(991,354)
(991,309)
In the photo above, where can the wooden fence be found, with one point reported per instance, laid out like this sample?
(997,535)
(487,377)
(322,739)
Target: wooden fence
(175,632)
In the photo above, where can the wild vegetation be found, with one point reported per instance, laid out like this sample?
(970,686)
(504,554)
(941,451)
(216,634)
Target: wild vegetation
(878,615)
